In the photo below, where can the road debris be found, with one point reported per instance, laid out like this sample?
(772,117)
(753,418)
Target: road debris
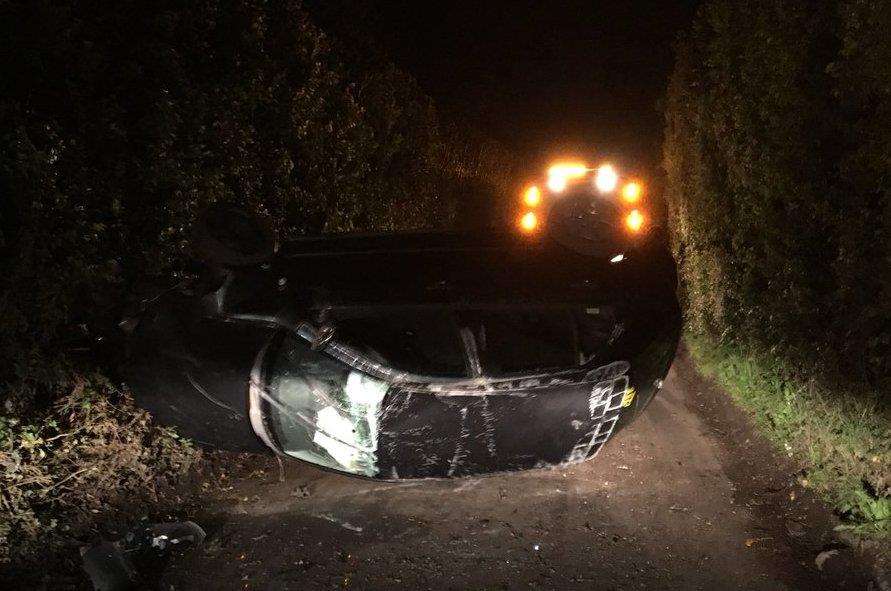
(752,541)
(823,556)
(341,523)
(122,564)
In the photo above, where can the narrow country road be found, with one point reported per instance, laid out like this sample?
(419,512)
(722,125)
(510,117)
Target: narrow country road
(686,498)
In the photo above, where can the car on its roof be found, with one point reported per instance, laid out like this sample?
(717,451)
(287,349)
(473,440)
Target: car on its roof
(419,355)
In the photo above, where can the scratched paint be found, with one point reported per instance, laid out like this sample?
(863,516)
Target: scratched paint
(321,409)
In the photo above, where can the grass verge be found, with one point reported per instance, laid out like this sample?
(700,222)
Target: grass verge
(843,439)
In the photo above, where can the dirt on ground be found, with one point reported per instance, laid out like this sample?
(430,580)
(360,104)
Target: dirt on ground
(688,497)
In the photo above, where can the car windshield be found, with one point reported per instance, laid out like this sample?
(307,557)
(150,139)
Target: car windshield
(522,341)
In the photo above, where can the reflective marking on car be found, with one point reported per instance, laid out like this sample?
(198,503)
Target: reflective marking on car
(629,397)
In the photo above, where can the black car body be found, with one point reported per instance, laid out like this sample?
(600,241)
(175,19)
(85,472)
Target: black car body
(414,355)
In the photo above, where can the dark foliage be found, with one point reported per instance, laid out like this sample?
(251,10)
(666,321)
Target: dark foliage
(120,121)
(777,152)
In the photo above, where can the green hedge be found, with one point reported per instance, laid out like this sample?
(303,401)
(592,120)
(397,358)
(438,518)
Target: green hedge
(778,135)
(119,121)
(843,441)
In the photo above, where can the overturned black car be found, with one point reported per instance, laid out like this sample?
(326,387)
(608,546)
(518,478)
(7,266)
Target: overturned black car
(412,355)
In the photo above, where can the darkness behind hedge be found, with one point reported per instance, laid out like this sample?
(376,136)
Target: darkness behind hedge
(120,121)
(778,154)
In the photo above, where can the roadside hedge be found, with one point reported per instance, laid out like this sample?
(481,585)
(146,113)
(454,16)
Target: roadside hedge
(778,136)
(778,160)
(120,122)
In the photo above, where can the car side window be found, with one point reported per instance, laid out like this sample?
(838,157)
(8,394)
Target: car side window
(532,340)
(424,342)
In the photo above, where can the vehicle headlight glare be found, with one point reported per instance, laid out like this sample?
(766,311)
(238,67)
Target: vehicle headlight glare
(529,222)
(606,178)
(557,183)
(631,192)
(560,174)
(532,196)
(634,221)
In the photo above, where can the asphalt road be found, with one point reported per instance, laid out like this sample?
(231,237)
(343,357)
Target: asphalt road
(688,497)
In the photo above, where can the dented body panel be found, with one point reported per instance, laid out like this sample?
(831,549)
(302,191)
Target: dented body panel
(428,356)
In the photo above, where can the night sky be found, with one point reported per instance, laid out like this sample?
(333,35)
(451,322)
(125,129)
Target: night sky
(547,79)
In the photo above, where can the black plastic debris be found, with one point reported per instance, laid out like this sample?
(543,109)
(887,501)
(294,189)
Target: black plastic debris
(109,567)
(119,565)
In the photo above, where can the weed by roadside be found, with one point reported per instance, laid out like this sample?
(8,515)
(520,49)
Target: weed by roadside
(62,468)
(844,442)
